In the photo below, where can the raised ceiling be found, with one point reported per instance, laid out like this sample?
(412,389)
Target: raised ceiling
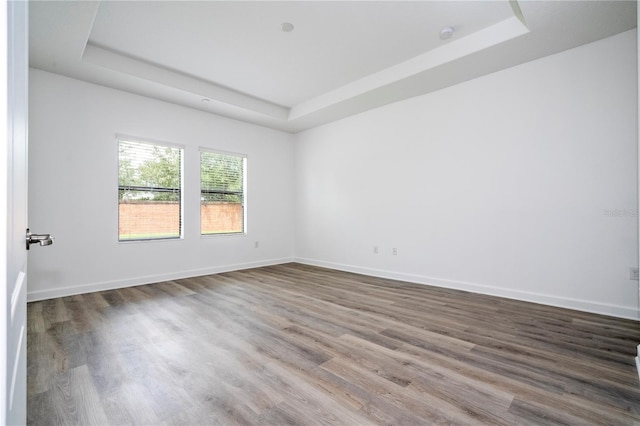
(232,58)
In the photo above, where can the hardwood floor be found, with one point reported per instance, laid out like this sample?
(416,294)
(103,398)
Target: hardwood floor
(294,344)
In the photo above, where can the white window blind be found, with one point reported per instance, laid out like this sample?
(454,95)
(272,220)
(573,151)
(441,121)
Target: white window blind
(149,191)
(222,193)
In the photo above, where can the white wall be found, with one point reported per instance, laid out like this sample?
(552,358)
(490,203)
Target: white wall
(73,189)
(521,184)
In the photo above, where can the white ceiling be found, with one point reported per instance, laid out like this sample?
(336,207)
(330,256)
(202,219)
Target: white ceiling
(342,58)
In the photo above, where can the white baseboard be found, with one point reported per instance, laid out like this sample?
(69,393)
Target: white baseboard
(149,279)
(581,305)
(544,299)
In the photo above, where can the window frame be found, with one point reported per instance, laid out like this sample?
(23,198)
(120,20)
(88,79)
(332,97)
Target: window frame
(161,144)
(244,191)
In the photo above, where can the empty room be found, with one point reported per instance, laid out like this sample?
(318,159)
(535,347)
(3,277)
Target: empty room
(301,212)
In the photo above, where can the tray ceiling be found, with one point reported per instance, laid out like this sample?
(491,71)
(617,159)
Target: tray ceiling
(342,58)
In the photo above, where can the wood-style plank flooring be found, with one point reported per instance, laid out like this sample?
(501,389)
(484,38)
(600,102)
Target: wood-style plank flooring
(294,344)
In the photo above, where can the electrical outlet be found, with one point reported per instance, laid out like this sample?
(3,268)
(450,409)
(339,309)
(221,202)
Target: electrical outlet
(256,244)
(394,251)
(634,274)
(375,249)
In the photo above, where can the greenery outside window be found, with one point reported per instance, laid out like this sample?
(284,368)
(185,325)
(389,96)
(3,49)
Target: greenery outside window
(149,191)
(222,193)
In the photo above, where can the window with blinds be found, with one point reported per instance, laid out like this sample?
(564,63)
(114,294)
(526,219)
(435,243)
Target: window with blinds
(222,192)
(149,191)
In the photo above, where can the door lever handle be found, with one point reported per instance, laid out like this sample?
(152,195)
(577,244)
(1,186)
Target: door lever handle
(42,239)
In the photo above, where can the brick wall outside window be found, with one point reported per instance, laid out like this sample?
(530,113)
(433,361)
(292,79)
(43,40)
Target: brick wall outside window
(143,219)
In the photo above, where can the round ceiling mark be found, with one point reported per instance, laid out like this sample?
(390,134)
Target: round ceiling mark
(287,27)
(446,33)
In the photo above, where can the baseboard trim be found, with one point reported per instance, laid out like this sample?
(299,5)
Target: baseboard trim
(35,296)
(580,305)
(544,299)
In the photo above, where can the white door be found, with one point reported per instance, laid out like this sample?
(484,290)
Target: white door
(13,201)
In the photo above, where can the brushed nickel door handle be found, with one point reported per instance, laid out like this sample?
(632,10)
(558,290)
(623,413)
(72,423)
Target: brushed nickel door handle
(42,239)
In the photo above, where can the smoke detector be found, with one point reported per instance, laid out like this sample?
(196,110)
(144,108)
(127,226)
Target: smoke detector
(446,33)
(287,27)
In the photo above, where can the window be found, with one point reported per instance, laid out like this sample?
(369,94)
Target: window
(149,191)
(222,190)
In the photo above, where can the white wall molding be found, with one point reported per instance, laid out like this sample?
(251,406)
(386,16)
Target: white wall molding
(52,293)
(545,299)
(568,303)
